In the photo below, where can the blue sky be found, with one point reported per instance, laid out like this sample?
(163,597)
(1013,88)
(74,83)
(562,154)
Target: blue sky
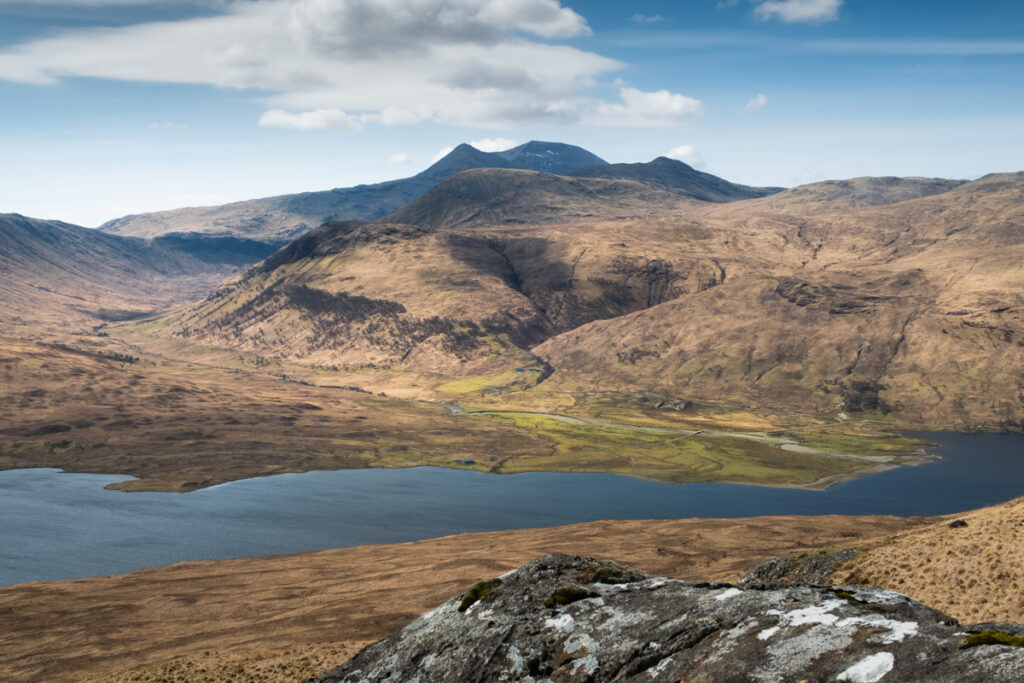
(109,107)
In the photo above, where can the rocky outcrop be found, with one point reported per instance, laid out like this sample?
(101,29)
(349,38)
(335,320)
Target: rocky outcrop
(562,618)
(804,567)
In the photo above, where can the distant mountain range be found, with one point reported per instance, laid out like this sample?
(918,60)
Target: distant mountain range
(278,220)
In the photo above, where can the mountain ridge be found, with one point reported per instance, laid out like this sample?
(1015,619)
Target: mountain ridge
(279,219)
(679,177)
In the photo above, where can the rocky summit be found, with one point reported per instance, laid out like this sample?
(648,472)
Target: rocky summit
(562,618)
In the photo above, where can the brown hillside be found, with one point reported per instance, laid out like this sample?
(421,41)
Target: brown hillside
(910,309)
(970,566)
(279,618)
(54,272)
(913,308)
(492,197)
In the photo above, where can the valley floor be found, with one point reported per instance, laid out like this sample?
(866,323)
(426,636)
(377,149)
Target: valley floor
(182,417)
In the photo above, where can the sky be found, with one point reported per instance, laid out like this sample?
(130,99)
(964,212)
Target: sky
(111,107)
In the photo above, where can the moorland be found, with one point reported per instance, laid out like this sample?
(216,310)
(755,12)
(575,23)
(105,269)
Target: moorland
(644,319)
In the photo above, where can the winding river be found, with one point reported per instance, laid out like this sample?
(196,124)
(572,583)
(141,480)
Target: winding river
(58,525)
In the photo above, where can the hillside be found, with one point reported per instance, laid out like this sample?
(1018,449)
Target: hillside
(196,619)
(909,310)
(277,220)
(56,272)
(678,177)
(912,309)
(493,197)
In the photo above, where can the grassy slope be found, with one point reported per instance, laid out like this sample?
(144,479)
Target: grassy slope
(248,618)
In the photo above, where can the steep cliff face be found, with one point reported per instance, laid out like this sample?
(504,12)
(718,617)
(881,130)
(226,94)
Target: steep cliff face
(563,618)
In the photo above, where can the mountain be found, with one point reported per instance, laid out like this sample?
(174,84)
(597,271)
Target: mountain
(277,220)
(908,310)
(680,178)
(492,197)
(53,271)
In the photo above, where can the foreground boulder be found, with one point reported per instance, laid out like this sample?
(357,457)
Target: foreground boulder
(562,618)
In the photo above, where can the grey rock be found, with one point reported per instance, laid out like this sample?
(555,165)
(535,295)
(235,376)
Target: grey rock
(659,629)
(813,568)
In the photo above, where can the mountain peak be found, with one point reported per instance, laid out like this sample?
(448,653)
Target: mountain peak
(550,157)
(547,157)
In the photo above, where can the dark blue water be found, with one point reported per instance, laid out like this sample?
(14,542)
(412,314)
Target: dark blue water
(55,526)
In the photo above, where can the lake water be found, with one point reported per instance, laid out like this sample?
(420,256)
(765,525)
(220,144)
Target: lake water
(57,526)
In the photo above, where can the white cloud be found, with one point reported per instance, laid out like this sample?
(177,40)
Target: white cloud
(641,108)
(318,119)
(98,3)
(756,102)
(493,144)
(156,125)
(799,10)
(687,154)
(391,62)
(647,18)
(399,158)
(441,154)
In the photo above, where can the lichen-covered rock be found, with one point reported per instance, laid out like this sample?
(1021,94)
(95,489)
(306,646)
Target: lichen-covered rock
(656,629)
(815,567)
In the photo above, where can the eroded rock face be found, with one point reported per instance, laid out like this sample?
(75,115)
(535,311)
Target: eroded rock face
(606,622)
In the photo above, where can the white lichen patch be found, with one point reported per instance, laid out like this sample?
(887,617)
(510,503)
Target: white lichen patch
(871,669)
(661,668)
(515,658)
(584,666)
(727,640)
(789,656)
(579,642)
(563,622)
(729,593)
(815,614)
(582,647)
(898,630)
(616,619)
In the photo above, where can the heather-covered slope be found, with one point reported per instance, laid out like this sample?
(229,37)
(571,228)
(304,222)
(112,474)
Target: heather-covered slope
(54,272)
(911,309)
(916,308)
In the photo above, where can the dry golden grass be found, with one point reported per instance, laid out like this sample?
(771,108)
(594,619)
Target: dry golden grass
(246,613)
(73,402)
(973,572)
(292,664)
